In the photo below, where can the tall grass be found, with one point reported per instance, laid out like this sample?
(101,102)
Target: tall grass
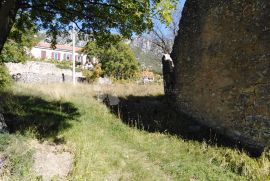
(105,148)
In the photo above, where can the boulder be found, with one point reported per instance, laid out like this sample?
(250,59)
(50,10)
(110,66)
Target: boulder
(222,60)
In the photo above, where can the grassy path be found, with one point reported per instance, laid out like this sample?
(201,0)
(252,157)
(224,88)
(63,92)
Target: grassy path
(106,149)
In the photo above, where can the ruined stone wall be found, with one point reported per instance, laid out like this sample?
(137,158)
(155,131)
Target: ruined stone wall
(222,59)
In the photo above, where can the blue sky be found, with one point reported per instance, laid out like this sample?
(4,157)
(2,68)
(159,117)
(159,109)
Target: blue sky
(176,17)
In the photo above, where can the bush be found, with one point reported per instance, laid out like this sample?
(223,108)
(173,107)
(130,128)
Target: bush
(92,75)
(117,60)
(5,79)
(120,62)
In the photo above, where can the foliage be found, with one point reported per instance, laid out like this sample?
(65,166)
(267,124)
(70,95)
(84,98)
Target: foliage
(62,64)
(117,60)
(92,75)
(96,18)
(5,79)
(17,158)
(18,44)
(120,62)
(162,34)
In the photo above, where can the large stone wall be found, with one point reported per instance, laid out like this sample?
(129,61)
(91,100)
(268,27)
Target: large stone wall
(222,60)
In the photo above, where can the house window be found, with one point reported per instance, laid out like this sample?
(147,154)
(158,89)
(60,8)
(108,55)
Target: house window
(55,56)
(43,54)
(68,56)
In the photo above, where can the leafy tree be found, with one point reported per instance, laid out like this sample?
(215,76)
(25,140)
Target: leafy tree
(5,79)
(17,45)
(117,60)
(96,18)
(162,35)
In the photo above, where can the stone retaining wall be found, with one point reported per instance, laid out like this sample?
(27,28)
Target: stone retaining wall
(34,72)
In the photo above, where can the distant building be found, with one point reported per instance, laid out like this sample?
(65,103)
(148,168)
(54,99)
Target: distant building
(43,50)
(147,76)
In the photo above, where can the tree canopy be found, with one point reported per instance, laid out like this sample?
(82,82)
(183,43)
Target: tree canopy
(117,60)
(18,44)
(94,17)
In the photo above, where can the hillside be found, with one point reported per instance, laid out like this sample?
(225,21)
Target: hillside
(146,55)
(103,147)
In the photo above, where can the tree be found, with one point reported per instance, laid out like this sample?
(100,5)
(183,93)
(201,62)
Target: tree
(18,44)
(94,17)
(117,60)
(5,79)
(162,36)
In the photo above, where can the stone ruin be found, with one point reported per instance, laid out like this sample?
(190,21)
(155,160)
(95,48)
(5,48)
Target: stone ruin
(222,59)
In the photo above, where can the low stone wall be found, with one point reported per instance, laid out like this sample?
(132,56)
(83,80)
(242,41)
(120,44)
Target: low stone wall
(40,72)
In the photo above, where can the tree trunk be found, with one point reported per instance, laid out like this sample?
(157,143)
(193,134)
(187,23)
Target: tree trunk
(8,10)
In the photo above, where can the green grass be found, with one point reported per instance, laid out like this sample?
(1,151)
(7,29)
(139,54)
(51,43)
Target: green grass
(16,157)
(106,148)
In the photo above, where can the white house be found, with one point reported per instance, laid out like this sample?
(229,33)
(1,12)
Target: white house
(62,52)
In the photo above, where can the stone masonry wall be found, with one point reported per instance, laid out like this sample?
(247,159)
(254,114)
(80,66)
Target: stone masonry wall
(222,60)
(40,72)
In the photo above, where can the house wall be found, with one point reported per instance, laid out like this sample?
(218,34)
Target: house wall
(36,52)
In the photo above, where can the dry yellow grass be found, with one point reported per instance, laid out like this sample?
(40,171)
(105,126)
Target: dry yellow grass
(61,91)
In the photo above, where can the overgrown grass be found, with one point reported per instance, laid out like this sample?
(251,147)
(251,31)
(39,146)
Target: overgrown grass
(105,148)
(16,158)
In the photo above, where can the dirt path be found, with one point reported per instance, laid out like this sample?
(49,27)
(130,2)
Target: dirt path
(51,161)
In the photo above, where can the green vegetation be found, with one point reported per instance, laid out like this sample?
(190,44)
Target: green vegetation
(5,80)
(17,45)
(92,75)
(16,157)
(105,148)
(96,18)
(117,60)
(62,64)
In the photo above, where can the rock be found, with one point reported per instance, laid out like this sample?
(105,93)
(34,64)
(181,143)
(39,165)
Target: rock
(168,77)
(109,100)
(104,81)
(221,66)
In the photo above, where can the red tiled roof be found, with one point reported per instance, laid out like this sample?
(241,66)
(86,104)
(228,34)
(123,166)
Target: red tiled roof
(147,74)
(61,47)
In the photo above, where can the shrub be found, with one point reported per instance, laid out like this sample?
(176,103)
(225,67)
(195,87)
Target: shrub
(92,75)
(120,62)
(117,60)
(5,79)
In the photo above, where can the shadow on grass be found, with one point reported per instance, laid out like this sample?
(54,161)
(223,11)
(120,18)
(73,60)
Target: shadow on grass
(28,113)
(152,113)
